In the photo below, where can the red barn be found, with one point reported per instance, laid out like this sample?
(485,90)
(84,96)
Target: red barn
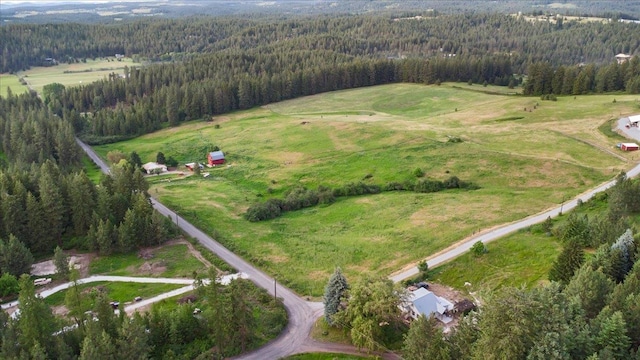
(216,158)
(629,146)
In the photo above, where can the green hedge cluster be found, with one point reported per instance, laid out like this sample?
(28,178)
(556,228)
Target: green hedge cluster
(300,197)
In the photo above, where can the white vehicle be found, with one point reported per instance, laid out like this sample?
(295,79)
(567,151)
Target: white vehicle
(41,281)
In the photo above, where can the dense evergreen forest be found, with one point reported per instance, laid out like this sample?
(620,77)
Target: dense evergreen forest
(122,11)
(365,36)
(211,66)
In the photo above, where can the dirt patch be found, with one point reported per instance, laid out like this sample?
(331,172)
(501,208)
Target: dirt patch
(78,261)
(446,292)
(60,310)
(192,250)
(151,268)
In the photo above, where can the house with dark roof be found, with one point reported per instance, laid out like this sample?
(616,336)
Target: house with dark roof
(216,158)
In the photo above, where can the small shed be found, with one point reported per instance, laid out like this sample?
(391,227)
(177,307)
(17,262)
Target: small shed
(154,168)
(634,120)
(192,166)
(629,147)
(216,158)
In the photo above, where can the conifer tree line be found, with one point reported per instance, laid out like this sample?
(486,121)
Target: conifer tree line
(544,79)
(367,35)
(46,200)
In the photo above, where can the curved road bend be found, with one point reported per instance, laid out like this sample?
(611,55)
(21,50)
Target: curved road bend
(302,314)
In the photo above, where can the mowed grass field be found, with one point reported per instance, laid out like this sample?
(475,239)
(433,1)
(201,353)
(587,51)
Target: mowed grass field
(11,81)
(75,74)
(526,154)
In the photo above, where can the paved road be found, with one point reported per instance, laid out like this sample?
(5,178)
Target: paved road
(224,280)
(302,314)
(500,231)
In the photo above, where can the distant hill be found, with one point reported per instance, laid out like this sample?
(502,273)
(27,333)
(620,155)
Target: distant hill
(88,11)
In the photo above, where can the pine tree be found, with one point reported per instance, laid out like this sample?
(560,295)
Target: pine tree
(133,342)
(61,261)
(568,261)
(591,288)
(52,206)
(333,294)
(36,322)
(82,202)
(612,336)
(15,258)
(425,340)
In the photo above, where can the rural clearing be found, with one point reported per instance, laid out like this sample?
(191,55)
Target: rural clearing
(525,154)
(75,74)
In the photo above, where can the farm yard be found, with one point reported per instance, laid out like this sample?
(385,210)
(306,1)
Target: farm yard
(525,154)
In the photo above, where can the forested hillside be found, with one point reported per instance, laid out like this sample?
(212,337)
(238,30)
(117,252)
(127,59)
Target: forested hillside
(213,66)
(369,36)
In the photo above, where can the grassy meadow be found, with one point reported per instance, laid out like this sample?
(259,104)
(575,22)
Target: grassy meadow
(11,81)
(526,154)
(75,74)
(522,259)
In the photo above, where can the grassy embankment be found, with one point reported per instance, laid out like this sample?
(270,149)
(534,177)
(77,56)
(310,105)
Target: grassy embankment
(75,74)
(526,154)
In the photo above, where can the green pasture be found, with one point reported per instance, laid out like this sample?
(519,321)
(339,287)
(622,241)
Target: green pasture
(11,81)
(115,291)
(522,259)
(526,154)
(168,261)
(75,74)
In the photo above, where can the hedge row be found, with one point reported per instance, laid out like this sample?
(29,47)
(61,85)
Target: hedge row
(300,197)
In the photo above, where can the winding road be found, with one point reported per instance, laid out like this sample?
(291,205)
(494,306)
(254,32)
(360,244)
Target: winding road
(303,314)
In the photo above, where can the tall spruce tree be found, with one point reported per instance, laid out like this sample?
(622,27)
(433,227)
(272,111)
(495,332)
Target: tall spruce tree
(569,260)
(15,258)
(333,293)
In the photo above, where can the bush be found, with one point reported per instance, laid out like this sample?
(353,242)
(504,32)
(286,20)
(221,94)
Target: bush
(418,173)
(8,285)
(478,249)
(269,209)
(428,186)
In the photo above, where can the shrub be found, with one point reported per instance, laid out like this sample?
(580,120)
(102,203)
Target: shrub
(417,172)
(269,209)
(478,249)
(428,186)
